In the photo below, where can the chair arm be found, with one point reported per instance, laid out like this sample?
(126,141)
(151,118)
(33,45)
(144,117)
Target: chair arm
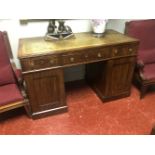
(17,72)
(19,78)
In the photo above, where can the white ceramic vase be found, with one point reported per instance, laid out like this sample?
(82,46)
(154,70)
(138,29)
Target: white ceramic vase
(99,26)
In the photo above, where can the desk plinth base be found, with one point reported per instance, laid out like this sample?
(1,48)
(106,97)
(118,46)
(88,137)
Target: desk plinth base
(105,99)
(37,115)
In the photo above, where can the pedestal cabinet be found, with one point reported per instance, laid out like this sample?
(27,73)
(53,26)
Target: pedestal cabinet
(114,82)
(46,92)
(109,61)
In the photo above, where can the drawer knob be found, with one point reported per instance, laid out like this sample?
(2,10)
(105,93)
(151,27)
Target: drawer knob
(116,51)
(72,59)
(32,64)
(86,56)
(51,61)
(130,49)
(99,55)
(42,62)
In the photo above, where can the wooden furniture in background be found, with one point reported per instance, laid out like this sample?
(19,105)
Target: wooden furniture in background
(109,60)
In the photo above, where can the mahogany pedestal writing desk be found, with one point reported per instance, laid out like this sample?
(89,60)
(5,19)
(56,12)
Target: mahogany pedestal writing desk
(109,61)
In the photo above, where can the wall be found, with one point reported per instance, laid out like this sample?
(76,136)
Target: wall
(16,30)
(117,24)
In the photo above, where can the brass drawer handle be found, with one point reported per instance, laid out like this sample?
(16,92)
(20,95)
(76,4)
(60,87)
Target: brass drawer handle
(99,55)
(72,59)
(130,49)
(51,61)
(32,64)
(115,51)
(86,56)
(42,62)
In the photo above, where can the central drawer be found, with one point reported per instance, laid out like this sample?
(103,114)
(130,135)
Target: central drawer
(72,58)
(97,54)
(85,56)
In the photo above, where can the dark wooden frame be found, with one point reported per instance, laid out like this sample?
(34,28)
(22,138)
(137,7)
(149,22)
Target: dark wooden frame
(140,82)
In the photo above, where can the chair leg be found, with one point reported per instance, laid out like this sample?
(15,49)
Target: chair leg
(28,112)
(153,131)
(143,91)
(27,109)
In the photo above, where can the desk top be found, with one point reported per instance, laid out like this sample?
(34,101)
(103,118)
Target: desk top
(37,46)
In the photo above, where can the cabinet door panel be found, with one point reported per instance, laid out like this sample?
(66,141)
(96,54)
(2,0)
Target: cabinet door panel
(112,79)
(46,89)
(119,76)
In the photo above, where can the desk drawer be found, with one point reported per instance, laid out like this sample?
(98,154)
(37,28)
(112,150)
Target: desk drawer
(97,54)
(119,51)
(86,56)
(72,58)
(40,62)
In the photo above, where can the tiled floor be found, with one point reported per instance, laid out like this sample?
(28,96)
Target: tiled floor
(88,115)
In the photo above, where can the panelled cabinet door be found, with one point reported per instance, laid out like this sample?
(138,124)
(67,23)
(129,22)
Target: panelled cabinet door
(47,90)
(119,77)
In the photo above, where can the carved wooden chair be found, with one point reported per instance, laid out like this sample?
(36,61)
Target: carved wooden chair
(144,30)
(11,91)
